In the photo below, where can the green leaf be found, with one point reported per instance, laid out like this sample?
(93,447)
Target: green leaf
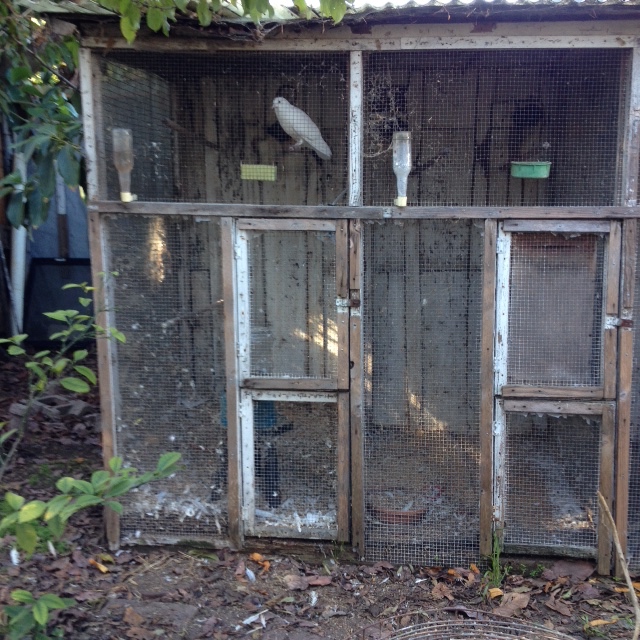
(65,485)
(69,166)
(87,373)
(75,384)
(204,13)
(6,435)
(60,315)
(182,4)
(80,354)
(41,354)
(115,506)
(155,18)
(85,302)
(60,365)
(99,479)
(15,209)
(14,350)
(56,526)
(115,464)
(118,335)
(46,173)
(14,501)
(56,602)
(119,487)
(55,505)
(31,511)
(20,595)
(26,537)
(40,613)
(18,74)
(8,522)
(37,369)
(21,624)
(83,486)
(167,462)
(82,502)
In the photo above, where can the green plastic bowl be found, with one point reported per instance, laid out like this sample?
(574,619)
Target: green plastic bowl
(530,169)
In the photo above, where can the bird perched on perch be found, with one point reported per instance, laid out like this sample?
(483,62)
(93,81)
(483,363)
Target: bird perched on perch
(300,127)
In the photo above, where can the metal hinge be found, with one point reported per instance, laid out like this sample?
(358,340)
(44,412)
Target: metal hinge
(611,322)
(345,303)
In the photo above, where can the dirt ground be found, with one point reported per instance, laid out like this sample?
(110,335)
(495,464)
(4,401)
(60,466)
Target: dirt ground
(144,593)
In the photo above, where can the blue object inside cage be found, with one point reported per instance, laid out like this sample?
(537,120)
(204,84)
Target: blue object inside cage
(265,415)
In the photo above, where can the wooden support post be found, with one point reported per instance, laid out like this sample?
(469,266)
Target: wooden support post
(607,451)
(356,375)
(631,133)
(487,385)
(356,90)
(625,369)
(612,293)
(342,294)
(344,457)
(234,481)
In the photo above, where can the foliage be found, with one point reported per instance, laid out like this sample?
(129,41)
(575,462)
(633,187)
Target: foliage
(497,572)
(63,365)
(31,615)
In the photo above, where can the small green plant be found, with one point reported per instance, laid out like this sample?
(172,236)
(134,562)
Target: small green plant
(537,571)
(63,365)
(496,574)
(31,615)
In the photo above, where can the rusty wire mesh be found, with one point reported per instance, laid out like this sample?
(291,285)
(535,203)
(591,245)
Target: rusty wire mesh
(421,327)
(169,376)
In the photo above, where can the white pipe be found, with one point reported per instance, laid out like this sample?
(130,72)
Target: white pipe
(18,259)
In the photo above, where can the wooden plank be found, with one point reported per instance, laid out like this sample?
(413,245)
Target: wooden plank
(234,489)
(290,384)
(356,89)
(499,489)
(363,213)
(560,407)
(610,364)
(342,292)
(501,329)
(286,225)
(612,291)
(514,391)
(89,123)
(607,452)
(247,463)
(343,487)
(107,364)
(293,396)
(623,440)
(631,142)
(356,378)
(486,391)
(629,257)
(561,226)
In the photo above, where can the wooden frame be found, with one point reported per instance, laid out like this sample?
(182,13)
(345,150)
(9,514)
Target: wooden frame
(625,370)
(486,377)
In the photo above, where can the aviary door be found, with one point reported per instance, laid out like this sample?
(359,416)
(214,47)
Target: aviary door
(555,383)
(292,346)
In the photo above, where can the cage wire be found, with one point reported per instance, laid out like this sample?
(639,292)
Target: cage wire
(167,299)
(472,113)
(633,529)
(552,476)
(292,296)
(555,310)
(295,446)
(204,129)
(421,333)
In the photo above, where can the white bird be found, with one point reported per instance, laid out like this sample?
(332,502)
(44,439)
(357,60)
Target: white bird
(300,127)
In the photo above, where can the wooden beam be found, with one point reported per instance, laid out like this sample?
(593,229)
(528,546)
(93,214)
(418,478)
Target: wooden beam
(607,452)
(362,213)
(343,485)
(89,123)
(612,294)
(107,369)
(560,407)
(234,486)
(514,391)
(342,293)
(486,391)
(356,90)
(625,372)
(631,142)
(356,389)
(258,224)
(290,384)
(558,226)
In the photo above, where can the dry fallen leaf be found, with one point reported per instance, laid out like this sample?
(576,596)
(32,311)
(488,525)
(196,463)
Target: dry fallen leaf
(474,568)
(257,557)
(318,581)
(511,604)
(495,592)
(132,617)
(600,622)
(295,582)
(100,567)
(440,591)
(559,606)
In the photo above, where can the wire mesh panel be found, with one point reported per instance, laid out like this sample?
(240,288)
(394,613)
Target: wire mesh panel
(295,468)
(167,299)
(257,128)
(552,476)
(292,297)
(421,327)
(633,538)
(472,113)
(555,310)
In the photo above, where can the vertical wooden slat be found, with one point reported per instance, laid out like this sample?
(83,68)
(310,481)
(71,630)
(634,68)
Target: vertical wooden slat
(612,294)
(342,293)
(607,450)
(109,397)
(355,128)
(89,123)
(631,147)
(234,483)
(487,385)
(356,388)
(625,369)
(344,458)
